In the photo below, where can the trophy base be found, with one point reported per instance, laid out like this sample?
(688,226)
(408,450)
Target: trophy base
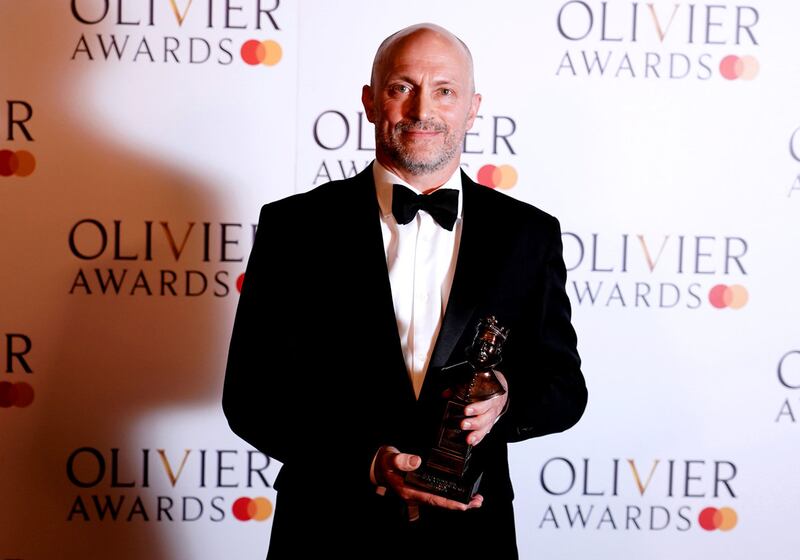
(460,489)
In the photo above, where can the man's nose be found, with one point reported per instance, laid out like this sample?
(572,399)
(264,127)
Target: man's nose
(420,106)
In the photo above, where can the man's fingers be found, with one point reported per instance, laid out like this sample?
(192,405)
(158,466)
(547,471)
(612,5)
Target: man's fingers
(478,408)
(475,502)
(474,438)
(396,463)
(477,422)
(481,420)
(413,495)
(481,416)
(406,462)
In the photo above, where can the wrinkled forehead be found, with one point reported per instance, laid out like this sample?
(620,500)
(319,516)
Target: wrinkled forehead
(419,46)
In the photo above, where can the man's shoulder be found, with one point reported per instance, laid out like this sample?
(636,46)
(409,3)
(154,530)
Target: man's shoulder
(509,209)
(320,199)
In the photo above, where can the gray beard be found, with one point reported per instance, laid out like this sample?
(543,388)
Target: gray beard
(404,159)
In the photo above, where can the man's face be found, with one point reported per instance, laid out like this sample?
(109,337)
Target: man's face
(421,103)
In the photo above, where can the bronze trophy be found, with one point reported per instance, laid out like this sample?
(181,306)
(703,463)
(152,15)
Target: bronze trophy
(446,471)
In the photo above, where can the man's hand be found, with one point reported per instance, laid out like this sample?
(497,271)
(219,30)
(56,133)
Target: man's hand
(390,464)
(481,416)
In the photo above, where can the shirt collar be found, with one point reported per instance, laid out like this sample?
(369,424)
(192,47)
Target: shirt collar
(385,180)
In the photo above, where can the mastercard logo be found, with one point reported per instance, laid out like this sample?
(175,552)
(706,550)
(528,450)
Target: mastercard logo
(722,296)
(268,52)
(497,176)
(252,509)
(18,394)
(733,67)
(20,163)
(723,519)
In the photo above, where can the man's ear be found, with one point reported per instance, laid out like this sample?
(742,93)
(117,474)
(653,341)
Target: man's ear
(369,103)
(475,104)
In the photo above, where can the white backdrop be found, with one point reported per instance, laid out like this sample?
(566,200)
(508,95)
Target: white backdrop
(137,146)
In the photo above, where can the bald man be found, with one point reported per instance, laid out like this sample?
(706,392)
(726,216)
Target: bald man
(360,292)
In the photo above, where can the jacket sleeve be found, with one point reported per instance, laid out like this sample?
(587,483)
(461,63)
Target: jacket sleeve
(257,386)
(547,391)
(278,382)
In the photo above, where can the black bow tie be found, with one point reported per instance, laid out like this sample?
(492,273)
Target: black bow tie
(441,204)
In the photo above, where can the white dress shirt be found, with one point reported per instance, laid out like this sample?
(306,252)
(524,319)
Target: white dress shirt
(421,258)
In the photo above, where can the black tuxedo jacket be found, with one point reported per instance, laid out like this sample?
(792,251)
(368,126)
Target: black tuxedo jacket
(316,376)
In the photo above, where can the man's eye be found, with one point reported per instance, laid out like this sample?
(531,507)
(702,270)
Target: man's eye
(447,91)
(400,88)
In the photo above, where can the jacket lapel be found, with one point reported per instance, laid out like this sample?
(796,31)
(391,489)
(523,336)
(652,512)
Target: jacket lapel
(366,239)
(474,255)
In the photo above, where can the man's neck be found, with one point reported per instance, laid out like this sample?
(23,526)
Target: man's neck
(426,183)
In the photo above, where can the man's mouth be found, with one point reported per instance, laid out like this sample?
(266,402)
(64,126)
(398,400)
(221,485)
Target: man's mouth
(421,133)
(421,129)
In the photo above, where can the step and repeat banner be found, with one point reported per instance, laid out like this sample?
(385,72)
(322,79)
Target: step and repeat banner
(139,138)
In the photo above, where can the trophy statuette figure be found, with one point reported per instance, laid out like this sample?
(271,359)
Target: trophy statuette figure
(446,471)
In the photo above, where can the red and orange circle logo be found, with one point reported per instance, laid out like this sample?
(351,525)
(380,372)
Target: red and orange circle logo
(268,52)
(733,67)
(255,509)
(18,394)
(20,163)
(497,176)
(723,519)
(722,296)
